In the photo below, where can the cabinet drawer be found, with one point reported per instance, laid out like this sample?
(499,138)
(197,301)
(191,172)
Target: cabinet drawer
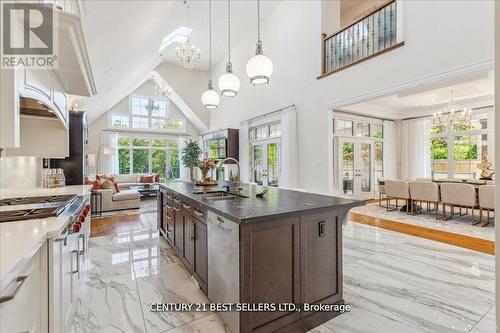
(26,311)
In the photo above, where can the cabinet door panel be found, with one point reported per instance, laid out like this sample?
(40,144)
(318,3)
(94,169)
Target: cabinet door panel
(178,231)
(271,271)
(189,231)
(321,258)
(200,268)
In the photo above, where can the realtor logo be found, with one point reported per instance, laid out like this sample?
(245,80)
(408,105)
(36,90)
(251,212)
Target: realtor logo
(28,35)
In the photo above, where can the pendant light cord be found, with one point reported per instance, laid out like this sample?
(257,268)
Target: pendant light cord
(210,39)
(229,28)
(258,20)
(187,15)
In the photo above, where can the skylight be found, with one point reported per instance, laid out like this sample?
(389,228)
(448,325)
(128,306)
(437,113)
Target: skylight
(180,36)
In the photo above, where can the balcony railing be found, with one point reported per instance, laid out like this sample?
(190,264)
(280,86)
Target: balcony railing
(373,34)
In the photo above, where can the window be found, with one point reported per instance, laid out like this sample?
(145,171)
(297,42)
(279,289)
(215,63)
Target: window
(265,154)
(141,155)
(363,129)
(148,114)
(457,148)
(344,127)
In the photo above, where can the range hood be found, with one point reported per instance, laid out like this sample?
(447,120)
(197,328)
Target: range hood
(33,107)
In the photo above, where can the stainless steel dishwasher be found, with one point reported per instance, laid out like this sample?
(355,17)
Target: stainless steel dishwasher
(224,266)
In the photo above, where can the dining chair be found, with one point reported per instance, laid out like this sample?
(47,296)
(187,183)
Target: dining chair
(424,191)
(458,195)
(486,202)
(399,190)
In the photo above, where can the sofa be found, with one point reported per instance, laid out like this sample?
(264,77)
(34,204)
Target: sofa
(125,181)
(125,199)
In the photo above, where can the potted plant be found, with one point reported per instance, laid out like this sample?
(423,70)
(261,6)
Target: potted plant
(205,166)
(190,156)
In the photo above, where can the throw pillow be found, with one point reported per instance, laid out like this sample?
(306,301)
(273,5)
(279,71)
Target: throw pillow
(147,179)
(96,185)
(108,184)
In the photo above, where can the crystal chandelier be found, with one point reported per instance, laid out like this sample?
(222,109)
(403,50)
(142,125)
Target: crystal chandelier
(188,55)
(452,114)
(151,106)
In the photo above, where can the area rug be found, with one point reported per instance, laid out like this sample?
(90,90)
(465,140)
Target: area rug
(459,224)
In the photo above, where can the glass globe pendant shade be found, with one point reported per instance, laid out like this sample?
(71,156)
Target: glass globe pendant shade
(229,83)
(259,67)
(210,98)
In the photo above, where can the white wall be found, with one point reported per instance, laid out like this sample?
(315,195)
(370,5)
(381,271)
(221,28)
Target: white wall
(439,36)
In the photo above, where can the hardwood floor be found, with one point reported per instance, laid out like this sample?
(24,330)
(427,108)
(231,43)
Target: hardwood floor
(468,242)
(103,226)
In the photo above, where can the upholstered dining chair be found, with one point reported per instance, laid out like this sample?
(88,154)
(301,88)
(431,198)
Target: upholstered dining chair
(486,202)
(381,190)
(424,191)
(458,195)
(399,190)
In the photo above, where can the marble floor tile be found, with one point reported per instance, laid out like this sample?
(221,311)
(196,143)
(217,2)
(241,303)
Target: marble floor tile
(487,324)
(211,323)
(109,305)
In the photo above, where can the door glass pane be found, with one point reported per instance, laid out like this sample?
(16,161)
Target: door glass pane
(173,166)
(363,129)
(379,160)
(439,156)
(366,167)
(257,164)
(347,151)
(344,127)
(273,156)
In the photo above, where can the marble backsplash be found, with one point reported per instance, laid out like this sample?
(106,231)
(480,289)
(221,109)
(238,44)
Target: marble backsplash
(20,172)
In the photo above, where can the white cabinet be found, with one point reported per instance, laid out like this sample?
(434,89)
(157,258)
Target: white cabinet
(23,306)
(43,85)
(64,264)
(9,109)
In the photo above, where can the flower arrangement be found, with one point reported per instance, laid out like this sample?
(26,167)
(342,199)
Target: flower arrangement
(206,164)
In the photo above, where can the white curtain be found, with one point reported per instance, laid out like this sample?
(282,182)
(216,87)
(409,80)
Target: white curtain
(289,149)
(108,157)
(416,151)
(183,172)
(244,152)
(390,150)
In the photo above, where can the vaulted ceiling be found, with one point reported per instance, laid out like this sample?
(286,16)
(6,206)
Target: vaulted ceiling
(123,39)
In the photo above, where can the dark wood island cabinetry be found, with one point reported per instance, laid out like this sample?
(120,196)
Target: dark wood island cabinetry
(283,248)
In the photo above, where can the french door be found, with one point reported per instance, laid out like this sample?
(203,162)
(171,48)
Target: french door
(356,168)
(266,162)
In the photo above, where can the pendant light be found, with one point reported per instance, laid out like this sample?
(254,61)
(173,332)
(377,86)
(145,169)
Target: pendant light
(210,98)
(259,67)
(229,83)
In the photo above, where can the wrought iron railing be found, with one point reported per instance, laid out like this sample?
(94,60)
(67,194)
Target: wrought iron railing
(373,34)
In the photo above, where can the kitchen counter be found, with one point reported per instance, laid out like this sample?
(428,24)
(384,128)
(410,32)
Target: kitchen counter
(285,247)
(276,202)
(20,240)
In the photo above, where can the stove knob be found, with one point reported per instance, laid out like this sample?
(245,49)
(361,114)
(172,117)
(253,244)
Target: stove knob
(87,207)
(76,227)
(82,219)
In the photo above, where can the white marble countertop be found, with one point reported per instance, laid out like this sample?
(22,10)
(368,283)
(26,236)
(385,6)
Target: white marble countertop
(20,240)
(33,192)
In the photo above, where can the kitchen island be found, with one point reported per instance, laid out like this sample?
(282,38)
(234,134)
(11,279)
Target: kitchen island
(285,247)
